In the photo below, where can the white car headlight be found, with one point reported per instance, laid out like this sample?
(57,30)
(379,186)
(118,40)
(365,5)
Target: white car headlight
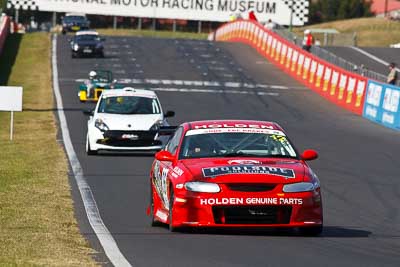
(76,47)
(156,126)
(202,187)
(300,187)
(99,124)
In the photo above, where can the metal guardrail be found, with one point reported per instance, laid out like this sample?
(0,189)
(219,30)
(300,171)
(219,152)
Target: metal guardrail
(332,58)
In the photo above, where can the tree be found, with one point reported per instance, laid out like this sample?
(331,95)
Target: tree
(3,4)
(328,10)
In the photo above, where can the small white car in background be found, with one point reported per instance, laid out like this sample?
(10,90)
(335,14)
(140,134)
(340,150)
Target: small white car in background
(126,119)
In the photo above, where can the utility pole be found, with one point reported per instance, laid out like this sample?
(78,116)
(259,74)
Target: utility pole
(386,7)
(291,16)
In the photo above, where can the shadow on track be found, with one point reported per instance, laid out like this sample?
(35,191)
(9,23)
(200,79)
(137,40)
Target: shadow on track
(9,56)
(329,231)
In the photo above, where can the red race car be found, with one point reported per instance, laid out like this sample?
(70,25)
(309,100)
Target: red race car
(234,173)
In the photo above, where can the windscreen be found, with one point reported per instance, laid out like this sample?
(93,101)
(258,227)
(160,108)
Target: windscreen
(88,37)
(129,105)
(236,142)
(74,18)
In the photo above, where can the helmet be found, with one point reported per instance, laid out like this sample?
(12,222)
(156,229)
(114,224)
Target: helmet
(307,31)
(92,74)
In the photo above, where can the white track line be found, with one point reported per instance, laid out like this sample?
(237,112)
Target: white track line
(196,83)
(106,240)
(209,91)
(377,59)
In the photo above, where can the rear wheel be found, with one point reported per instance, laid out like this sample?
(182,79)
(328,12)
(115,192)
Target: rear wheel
(89,151)
(311,231)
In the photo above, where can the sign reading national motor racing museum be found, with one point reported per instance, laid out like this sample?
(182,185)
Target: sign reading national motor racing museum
(279,11)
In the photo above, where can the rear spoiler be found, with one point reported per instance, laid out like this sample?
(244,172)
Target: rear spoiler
(167,130)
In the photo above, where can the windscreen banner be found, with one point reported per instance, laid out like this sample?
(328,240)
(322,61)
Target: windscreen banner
(382,104)
(279,11)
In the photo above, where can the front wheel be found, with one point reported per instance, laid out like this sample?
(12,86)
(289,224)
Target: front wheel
(154,222)
(89,151)
(171,211)
(311,231)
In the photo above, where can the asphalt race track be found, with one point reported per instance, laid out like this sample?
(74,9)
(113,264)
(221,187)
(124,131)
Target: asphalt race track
(386,54)
(358,165)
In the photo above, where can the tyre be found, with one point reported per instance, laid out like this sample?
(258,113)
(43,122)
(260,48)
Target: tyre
(171,211)
(311,231)
(153,222)
(101,54)
(74,55)
(64,32)
(89,151)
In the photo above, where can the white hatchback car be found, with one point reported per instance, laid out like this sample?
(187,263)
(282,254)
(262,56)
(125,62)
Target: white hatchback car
(126,119)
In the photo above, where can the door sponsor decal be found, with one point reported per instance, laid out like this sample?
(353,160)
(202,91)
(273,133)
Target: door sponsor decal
(248,169)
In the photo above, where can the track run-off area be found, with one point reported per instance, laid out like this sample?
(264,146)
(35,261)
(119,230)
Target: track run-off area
(358,163)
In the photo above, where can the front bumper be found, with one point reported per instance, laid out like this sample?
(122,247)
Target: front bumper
(245,209)
(82,51)
(75,28)
(125,140)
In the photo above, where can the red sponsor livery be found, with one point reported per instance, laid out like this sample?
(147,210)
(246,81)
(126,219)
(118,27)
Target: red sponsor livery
(233,177)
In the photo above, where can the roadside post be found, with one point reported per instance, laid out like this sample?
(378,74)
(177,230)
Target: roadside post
(11,100)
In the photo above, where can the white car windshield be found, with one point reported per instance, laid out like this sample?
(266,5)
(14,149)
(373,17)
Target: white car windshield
(236,142)
(88,37)
(129,105)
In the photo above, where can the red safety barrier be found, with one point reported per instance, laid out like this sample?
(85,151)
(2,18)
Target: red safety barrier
(341,87)
(4,30)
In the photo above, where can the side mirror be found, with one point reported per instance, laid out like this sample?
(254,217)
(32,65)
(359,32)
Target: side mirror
(103,39)
(309,154)
(89,112)
(169,113)
(164,155)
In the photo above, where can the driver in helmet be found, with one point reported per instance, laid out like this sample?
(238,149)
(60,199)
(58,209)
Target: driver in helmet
(90,85)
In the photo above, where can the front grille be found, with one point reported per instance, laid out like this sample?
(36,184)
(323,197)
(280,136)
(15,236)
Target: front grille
(141,139)
(129,143)
(251,187)
(252,214)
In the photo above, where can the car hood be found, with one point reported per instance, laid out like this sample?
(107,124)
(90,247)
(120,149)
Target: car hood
(133,122)
(245,170)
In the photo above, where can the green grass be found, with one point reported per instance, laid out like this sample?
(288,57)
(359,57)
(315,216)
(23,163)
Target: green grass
(155,34)
(373,32)
(37,223)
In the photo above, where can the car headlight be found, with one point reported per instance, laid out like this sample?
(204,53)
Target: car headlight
(156,126)
(300,187)
(76,47)
(202,187)
(99,124)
